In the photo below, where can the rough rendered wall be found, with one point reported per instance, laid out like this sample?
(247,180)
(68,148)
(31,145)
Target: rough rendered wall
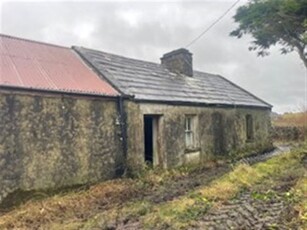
(135,135)
(220,131)
(54,141)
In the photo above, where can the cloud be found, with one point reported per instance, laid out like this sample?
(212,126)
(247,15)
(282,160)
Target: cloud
(146,30)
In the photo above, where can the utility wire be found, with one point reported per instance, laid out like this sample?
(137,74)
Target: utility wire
(213,24)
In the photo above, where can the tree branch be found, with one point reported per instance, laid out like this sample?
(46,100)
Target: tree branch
(302,55)
(300,48)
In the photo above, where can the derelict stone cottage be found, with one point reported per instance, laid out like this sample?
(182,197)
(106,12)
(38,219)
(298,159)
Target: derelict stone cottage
(177,115)
(58,121)
(74,116)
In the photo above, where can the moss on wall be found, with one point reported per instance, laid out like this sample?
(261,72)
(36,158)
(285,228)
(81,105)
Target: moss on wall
(135,136)
(220,132)
(56,141)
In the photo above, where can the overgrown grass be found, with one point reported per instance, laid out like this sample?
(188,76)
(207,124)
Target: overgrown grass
(120,201)
(181,213)
(242,177)
(300,193)
(71,210)
(65,207)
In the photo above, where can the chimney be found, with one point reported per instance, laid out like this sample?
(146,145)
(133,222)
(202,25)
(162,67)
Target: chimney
(178,61)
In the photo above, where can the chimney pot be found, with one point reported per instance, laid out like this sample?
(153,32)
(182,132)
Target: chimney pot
(178,61)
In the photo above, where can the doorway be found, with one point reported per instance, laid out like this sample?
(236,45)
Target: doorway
(151,141)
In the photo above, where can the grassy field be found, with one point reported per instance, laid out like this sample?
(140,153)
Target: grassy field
(174,199)
(290,127)
(291,119)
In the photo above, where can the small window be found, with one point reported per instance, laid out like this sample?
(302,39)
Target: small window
(189,131)
(249,128)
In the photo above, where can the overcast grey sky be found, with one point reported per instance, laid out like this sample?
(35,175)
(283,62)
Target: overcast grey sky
(148,29)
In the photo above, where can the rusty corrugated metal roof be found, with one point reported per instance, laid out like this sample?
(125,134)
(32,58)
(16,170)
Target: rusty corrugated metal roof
(35,65)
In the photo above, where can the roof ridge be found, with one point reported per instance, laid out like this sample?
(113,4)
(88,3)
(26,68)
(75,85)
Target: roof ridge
(135,59)
(118,55)
(202,72)
(32,41)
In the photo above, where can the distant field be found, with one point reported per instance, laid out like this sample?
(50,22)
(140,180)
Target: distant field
(291,119)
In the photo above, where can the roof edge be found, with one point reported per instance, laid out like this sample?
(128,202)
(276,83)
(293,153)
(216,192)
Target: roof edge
(117,55)
(187,103)
(18,88)
(33,41)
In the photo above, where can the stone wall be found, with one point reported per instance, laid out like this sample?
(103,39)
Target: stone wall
(220,132)
(289,133)
(52,141)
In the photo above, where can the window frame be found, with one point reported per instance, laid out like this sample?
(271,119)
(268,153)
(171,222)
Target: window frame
(190,131)
(249,129)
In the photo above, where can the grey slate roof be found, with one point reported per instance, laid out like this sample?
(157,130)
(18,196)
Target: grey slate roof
(153,82)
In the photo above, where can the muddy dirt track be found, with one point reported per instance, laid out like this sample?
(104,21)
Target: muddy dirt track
(243,212)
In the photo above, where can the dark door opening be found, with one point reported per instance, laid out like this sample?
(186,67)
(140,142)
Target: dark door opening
(148,139)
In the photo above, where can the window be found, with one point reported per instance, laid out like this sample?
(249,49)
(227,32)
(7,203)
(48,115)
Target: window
(249,128)
(189,131)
